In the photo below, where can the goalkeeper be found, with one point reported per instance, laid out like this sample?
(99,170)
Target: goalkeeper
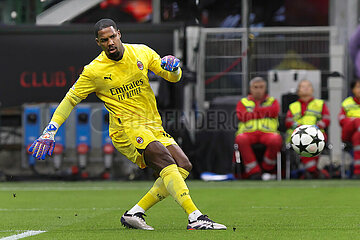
(118,76)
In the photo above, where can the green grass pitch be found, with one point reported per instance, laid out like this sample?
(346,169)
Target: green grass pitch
(251,210)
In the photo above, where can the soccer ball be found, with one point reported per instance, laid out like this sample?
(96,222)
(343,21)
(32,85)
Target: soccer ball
(307,140)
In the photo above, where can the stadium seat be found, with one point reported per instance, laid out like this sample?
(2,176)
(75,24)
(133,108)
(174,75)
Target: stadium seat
(259,150)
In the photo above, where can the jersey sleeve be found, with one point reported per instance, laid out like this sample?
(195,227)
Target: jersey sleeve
(85,84)
(64,109)
(79,91)
(154,62)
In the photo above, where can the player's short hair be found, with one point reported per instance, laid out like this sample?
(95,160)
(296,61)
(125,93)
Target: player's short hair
(256,79)
(353,83)
(104,23)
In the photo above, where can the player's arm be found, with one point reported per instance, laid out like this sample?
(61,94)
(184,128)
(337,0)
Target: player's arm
(45,144)
(167,67)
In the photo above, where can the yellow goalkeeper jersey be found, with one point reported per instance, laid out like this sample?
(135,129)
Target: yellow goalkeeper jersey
(124,85)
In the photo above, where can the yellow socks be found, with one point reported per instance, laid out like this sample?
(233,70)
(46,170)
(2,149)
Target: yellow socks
(176,186)
(183,172)
(158,192)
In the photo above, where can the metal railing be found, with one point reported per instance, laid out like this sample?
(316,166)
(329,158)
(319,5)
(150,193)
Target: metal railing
(227,61)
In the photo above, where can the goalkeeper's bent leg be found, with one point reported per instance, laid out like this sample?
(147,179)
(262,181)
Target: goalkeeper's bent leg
(157,193)
(176,186)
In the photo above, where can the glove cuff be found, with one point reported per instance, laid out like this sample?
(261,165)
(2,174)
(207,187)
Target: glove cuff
(55,124)
(51,129)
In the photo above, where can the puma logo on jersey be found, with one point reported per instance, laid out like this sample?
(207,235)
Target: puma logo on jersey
(109,77)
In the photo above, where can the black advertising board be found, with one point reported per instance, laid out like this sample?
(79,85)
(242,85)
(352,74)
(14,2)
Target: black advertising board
(40,64)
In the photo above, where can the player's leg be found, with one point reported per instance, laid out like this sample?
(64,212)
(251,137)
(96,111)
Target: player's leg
(244,141)
(134,217)
(122,143)
(159,158)
(158,191)
(196,219)
(273,143)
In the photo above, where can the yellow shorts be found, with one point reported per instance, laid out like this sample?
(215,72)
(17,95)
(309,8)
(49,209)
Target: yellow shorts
(131,142)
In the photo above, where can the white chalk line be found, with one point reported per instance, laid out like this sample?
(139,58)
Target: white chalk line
(22,235)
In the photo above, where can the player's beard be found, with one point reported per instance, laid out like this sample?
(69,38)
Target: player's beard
(114,55)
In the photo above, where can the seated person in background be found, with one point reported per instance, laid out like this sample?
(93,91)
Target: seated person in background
(258,116)
(308,111)
(349,118)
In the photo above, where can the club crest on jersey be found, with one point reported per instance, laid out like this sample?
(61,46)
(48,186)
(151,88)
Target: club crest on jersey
(140,65)
(139,140)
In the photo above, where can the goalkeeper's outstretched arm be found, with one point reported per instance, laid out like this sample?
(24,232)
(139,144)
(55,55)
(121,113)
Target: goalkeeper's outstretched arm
(64,109)
(45,144)
(80,90)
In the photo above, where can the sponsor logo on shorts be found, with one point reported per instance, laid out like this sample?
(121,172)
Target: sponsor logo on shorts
(140,65)
(166,134)
(139,140)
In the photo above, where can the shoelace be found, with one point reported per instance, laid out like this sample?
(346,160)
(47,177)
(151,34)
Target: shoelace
(205,218)
(140,215)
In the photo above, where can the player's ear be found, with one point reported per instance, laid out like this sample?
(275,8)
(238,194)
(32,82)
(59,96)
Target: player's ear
(119,33)
(97,41)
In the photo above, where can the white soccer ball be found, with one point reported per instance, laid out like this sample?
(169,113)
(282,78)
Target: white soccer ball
(307,140)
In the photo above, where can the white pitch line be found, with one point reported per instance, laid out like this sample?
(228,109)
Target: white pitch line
(22,235)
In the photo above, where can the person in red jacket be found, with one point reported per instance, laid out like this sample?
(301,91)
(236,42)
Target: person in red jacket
(308,111)
(349,118)
(258,123)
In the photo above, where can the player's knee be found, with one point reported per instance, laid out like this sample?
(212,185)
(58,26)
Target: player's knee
(157,157)
(185,164)
(163,156)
